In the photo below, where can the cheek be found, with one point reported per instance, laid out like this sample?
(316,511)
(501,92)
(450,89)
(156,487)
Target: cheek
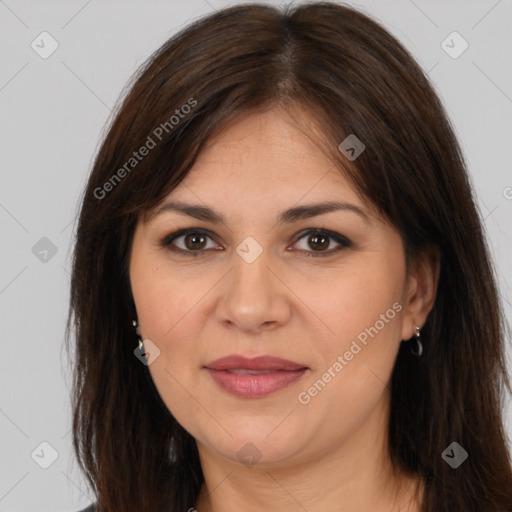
(162,299)
(362,311)
(355,303)
(166,309)
(169,320)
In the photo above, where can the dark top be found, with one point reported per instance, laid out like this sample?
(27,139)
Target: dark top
(90,508)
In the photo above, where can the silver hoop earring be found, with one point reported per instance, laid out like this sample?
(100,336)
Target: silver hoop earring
(135,325)
(417,349)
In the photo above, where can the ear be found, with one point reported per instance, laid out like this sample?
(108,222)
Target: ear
(420,290)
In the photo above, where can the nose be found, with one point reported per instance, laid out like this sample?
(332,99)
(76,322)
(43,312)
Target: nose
(254,297)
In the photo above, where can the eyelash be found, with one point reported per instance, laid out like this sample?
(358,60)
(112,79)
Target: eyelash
(344,242)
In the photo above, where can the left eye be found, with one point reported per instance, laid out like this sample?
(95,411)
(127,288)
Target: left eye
(195,241)
(320,239)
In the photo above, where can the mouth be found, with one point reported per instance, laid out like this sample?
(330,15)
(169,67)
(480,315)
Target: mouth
(256,377)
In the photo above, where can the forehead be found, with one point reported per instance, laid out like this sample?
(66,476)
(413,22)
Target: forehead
(266,154)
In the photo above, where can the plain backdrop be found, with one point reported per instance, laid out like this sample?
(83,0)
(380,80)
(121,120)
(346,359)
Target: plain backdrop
(52,113)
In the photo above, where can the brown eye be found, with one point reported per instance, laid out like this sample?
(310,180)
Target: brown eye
(195,241)
(317,241)
(189,241)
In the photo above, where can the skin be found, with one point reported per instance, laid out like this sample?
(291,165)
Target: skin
(328,454)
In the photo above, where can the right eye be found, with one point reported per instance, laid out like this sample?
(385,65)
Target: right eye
(193,242)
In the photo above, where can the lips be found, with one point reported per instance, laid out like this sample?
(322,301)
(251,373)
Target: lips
(261,363)
(256,377)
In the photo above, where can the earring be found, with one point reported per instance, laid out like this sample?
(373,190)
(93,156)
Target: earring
(135,324)
(418,349)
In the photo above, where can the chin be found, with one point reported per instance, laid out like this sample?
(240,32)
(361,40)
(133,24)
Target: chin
(251,446)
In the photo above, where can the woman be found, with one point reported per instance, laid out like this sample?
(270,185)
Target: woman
(282,296)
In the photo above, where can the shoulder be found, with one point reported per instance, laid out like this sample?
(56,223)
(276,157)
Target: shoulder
(90,508)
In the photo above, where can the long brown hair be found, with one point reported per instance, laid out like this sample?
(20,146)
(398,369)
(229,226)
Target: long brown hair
(353,77)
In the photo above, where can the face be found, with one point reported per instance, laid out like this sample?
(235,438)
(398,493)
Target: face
(326,291)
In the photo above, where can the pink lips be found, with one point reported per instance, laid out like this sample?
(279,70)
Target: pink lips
(254,378)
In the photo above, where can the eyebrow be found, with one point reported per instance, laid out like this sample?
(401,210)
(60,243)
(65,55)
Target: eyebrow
(294,214)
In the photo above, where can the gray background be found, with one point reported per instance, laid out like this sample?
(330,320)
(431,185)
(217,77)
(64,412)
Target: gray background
(52,114)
